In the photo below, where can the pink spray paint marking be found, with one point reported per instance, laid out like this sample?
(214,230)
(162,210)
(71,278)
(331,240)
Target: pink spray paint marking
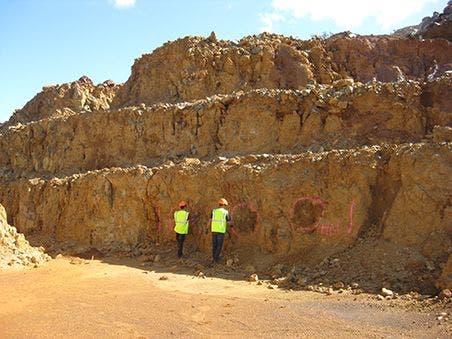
(251,208)
(234,232)
(233,210)
(159,221)
(350,225)
(316,200)
(171,224)
(254,210)
(322,229)
(195,229)
(329,229)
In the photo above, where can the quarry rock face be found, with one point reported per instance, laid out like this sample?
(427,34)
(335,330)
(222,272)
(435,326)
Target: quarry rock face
(193,67)
(65,100)
(439,25)
(15,249)
(445,280)
(342,115)
(337,147)
(285,204)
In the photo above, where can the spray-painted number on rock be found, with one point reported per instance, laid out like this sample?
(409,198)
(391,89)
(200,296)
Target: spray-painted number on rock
(306,213)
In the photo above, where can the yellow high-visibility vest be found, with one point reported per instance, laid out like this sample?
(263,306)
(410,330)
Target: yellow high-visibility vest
(181,222)
(219,220)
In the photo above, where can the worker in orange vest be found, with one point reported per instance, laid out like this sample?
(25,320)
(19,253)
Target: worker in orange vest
(181,225)
(220,216)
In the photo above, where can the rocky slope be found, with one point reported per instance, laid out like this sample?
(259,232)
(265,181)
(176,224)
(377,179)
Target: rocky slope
(439,25)
(306,206)
(15,249)
(274,197)
(326,149)
(342,115)
(193,67)
(65,100)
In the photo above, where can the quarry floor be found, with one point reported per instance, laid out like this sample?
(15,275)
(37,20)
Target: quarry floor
(91,298)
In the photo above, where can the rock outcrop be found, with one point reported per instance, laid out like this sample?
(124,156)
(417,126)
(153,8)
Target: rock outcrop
(445,280)
(309,204)
(193,68)
(323,147)
(439,25)
(65,100)
(15,249)
(323,117)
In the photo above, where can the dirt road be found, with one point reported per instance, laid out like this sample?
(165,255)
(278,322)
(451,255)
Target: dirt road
(96,299)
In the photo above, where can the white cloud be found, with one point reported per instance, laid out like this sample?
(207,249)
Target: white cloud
(351,13)
(124,3)
(268,19)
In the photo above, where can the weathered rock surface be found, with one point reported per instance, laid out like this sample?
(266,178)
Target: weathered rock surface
(424,193)
(310,205)
(342,115)
(15,249)
(65,100)
(335,154)
(445,280)
(389,59)
(194,67)
(439,25)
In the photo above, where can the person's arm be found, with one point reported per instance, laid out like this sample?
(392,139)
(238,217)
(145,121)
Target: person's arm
(228,217)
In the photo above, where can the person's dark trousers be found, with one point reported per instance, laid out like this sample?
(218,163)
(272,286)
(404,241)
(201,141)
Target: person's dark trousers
(217,244)
(180,244)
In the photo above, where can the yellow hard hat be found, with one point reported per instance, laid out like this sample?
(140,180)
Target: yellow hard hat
(223,201)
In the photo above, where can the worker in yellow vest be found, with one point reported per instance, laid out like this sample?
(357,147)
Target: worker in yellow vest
(181,221)
(220,216)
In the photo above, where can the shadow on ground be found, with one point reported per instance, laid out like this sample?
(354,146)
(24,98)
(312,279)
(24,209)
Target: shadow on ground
(336,274)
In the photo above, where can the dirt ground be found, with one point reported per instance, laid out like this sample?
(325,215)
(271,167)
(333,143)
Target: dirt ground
(118,298)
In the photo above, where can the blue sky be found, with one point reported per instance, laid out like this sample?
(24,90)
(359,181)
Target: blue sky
(55,41)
